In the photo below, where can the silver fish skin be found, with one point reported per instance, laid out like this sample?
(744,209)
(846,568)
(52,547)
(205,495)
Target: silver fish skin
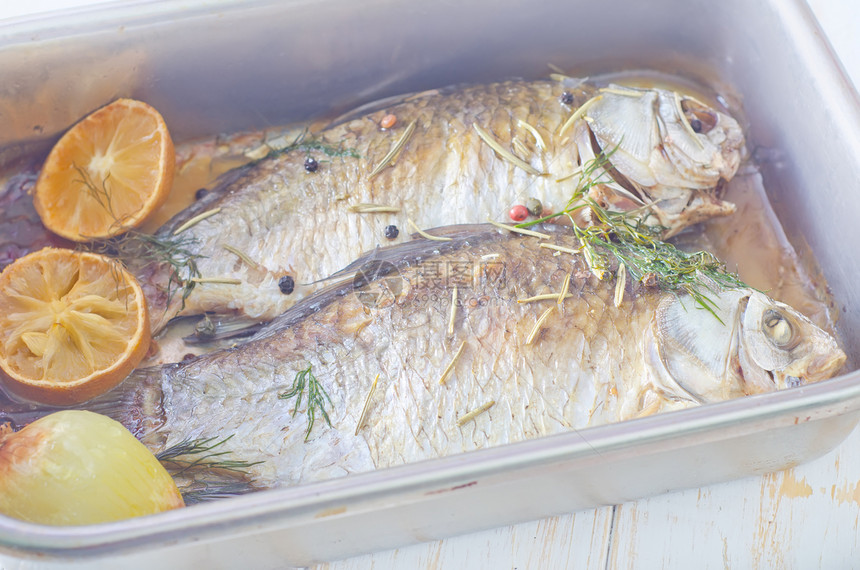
(298,221)
(590,362)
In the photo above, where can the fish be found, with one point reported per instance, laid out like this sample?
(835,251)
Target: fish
(268,233)
(426,349)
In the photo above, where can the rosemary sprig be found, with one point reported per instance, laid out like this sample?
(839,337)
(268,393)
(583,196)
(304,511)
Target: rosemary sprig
(317,397)
(395,150)
(633,243)
(198,454)
(505,153)
(196,220)
(469,416)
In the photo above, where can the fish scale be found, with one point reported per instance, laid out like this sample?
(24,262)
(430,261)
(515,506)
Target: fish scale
(592,364)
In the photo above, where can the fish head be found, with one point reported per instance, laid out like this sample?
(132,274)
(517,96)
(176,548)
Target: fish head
(743,343)
(780,348)
(668,151)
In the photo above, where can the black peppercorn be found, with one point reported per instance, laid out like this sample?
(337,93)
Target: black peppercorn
(391,232)
(567,97)
(200,193)
(311,164)
(286,284)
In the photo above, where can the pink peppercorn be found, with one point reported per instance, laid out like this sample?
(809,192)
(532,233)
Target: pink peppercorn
(518,213)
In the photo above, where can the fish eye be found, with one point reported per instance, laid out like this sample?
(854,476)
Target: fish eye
(701,119)
(778,328)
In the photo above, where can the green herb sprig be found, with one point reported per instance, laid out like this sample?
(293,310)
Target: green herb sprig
(97,191)
(137,249)
(201,492)
(638,246)
(199,454)
(302,142)
(317,397)
(202,473)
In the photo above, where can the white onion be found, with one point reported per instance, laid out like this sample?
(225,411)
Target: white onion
(75,467)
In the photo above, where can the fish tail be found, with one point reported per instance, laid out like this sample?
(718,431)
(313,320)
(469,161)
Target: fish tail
(17,414)
(202,469)
(137,403)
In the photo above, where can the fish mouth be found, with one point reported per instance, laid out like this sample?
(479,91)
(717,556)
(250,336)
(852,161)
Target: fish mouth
(820,367)
(825,366)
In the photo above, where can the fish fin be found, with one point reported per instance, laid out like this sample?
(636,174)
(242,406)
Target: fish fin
(213,329)
(16,414)
(203,491)
(381,262)
(136,403)
(418,248)
(694,347)
(381,104)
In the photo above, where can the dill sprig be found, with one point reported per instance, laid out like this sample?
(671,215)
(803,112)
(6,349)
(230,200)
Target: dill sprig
(200,492)
(633,243)
(302,142)
(97,191)
(317,397)
(137,249)
(198,454)
(204,474)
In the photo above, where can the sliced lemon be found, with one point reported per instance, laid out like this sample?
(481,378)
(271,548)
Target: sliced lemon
(72,325)
(107,173)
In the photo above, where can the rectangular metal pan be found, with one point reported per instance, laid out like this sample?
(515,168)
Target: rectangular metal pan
(220,66)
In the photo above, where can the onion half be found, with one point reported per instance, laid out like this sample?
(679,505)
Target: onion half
(75,467)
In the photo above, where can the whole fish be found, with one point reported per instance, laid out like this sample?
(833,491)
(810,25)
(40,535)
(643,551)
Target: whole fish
(267,232)
(429,348)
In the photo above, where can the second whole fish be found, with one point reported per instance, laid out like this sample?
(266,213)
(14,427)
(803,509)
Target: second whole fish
(431,348)
(267,233)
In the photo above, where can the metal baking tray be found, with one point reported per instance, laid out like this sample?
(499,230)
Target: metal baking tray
(220,66)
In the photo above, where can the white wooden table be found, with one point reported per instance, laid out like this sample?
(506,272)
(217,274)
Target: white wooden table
(806,517)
